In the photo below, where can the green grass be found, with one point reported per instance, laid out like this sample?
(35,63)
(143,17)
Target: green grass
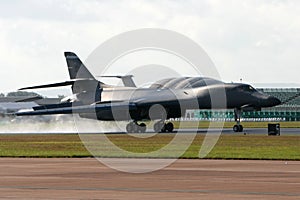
(42,146)
(227,147)
(253,147)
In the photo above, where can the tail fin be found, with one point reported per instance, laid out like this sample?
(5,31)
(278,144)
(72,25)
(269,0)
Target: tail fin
(86,83)
(81,81)
(76,68)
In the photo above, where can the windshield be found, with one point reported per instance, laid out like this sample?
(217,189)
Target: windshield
(247,88)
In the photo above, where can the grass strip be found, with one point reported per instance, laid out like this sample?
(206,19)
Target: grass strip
(227,147)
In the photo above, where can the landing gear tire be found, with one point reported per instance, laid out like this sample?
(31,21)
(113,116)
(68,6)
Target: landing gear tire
(169,127)
(142,128)
(133,127)
(162,127)
(130,128)
(241,128)
(238,128)
(158,127)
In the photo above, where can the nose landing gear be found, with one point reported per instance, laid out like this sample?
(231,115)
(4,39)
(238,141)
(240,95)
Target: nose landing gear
(238,128)
(237,115)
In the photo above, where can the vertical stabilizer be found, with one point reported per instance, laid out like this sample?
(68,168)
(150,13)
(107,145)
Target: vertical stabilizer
(87,88)
(77,69)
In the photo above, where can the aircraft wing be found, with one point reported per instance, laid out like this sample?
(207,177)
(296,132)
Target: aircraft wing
(66,83)
(79,109)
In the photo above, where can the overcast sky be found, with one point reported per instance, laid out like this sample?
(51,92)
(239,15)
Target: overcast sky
(257,40)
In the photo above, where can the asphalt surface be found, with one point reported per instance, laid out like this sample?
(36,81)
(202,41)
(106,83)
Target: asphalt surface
(283,131)
(62,178)
(254,131)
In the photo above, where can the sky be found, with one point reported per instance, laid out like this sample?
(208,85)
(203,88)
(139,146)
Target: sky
(257,41)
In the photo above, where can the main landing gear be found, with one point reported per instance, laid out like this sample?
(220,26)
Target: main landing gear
(134,127)
(237,115)
(160,126)
(163,127)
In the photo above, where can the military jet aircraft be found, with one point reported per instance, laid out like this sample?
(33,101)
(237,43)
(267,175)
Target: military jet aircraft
(164,99)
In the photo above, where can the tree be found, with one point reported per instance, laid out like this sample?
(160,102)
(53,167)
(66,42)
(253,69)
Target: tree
(22,94)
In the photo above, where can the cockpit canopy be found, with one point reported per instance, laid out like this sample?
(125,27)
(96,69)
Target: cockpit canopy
(246,88)
(184,82)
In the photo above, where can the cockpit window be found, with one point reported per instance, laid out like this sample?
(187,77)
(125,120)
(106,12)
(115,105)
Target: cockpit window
(247,88)
(185,82)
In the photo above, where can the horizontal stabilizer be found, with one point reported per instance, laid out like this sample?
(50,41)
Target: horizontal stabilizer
(127,80)
(66,83)
(59,105)
(29,99)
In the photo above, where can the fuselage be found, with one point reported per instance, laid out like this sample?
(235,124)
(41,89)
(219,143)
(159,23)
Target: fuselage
(176,100)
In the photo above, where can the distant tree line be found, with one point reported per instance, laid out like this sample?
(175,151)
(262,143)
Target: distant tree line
(22,94)
(25,94)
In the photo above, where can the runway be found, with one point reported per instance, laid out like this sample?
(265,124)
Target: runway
(260,131)
(251,131)
(86,178)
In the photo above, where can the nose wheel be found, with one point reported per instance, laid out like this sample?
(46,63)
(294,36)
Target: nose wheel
(237,115)
(238,128)
(134,127)
(163,127)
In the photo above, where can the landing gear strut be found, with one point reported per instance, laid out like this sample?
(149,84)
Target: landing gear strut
(134,127)
(237,115)
(163,127)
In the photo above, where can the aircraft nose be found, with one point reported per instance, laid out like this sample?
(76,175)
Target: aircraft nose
(273,101)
